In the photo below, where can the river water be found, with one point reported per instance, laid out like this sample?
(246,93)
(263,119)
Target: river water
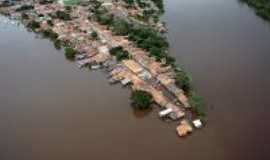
(52,110)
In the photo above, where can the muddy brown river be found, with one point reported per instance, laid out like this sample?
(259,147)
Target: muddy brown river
(51,110)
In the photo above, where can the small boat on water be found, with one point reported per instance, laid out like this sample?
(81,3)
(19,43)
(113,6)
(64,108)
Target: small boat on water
(94,67)
(82,63)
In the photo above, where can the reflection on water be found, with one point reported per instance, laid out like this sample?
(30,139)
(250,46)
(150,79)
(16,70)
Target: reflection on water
(141,113)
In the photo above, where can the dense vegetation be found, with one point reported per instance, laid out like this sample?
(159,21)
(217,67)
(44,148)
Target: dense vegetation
(45,2)
(70,53)
(25,8)
(48,33)
(183,80)
(197,104)
(119,53)
(141,99)
(94,35)
(262,7)
(159,4)
(33,25)
(63,15)
(143,36)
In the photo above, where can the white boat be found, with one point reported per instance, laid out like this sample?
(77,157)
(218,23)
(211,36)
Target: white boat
(95,66)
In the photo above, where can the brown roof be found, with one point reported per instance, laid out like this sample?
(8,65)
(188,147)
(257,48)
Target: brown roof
(132,65)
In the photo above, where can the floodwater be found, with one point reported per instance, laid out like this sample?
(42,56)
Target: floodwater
(52,110)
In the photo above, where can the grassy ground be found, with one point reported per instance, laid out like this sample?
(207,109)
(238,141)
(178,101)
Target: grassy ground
(262,7)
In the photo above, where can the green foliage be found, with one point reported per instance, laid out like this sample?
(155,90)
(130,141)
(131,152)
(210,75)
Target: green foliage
(24,15)
(119,53)
(159,4)
(25,7)
(197,103)
(50,34)
(104,19)
(45,2)
(141,99)
(183,81)
(70,53)
(129,2)
(57,44)
(68,9)
(33,25)
(150,40)
(157,53)
(63,15)
(142,4)
(94,35)
(50,22)
(120,27)
(262,7)
(53,36)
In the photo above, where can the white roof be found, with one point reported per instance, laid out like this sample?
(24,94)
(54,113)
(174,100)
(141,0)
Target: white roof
(103,50)
(125,81)
(165,112)
(197,123)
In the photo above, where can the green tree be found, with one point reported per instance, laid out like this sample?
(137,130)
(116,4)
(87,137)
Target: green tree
(70,53)
(119,53)
(197,103)
(63,15)
(33,25)
(94,35)
(141,99)
(183,81)
(120,27)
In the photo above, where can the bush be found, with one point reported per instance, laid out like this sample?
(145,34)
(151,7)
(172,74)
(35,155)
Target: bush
(197,104)
(25,8)
(57,44)
(159,4)
(114,50)
(24,16)
(122,56)
(70,53)
(141,99)
(129,2)
(148,38)
(183,81)
(33,25)
(63,15)
(50,34)
(43,2)
(94,35)
(119,53)
(50,22)
(104,19)
(262,7)
(120,27)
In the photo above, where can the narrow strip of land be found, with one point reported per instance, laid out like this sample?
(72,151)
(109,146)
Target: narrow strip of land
(124,37)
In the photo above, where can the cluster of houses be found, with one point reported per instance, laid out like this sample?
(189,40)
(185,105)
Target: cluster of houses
(141,70)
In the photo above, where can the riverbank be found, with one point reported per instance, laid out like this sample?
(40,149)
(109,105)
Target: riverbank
(112,36)
(262,7)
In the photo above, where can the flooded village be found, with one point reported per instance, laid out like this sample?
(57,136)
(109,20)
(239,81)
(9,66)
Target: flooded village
(125,38)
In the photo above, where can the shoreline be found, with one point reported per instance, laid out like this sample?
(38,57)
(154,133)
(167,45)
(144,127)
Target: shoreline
(261,8)
(91,40)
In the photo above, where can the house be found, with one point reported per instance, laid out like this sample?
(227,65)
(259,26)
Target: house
(184,128)
(145,75)
(133,66)
(164,79)
(104,50)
